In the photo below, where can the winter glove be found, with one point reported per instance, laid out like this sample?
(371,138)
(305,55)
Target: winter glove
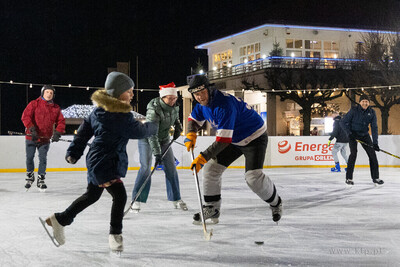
(329,142)
(376,147)
(56,136)
(190,140)
(176,134)
(158,159)
(70,160)
(34,134)
(198,163)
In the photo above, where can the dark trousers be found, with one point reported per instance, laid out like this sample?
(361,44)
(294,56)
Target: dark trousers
(254,153)
(373,161)
(92,194)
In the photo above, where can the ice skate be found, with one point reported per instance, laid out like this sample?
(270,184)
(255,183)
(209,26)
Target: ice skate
(277,211)
(58,237)
(179,204)
(209,213)
(349,182)
(378,182)
(116,243)
(135,208)
(41,184)
(29,180)
(336,168)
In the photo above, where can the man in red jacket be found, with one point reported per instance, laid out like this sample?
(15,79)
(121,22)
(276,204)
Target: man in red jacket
(43,121)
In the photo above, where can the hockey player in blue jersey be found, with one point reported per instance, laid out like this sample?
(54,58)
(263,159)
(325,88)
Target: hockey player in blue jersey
(240,131)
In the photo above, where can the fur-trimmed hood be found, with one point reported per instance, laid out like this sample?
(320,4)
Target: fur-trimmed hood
(103,100)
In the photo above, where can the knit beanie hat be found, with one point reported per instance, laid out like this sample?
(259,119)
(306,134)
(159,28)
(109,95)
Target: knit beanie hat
(364,97)
(48,87)
(117,83)
(168,89)
(198,83)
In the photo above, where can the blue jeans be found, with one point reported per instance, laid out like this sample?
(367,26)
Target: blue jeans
(30,148)
(171,175)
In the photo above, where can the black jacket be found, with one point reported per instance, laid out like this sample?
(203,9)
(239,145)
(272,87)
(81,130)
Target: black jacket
(338,132)
(357,122)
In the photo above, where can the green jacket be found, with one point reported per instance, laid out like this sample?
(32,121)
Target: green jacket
(164,116)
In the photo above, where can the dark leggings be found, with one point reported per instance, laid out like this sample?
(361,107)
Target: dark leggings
(92,194)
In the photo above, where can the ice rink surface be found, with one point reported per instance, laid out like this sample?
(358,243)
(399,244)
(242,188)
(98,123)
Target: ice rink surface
(323,224)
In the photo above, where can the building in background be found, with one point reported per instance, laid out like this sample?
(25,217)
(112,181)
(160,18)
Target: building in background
(242,58)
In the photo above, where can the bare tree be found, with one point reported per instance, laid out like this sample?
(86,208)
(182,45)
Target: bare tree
(380,69)
(296,85)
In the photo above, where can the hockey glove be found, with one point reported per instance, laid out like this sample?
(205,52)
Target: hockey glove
(56,136)
(329,142)
(198,163)
(376,147)
(158,159)
(190,140)
(176,134)
(70,160)
(33,134)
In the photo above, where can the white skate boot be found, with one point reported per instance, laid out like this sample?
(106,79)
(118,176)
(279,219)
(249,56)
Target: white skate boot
(58,229)
(179,204)
(116,243)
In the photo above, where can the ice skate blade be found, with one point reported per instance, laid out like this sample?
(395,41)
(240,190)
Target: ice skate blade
(208,222)
(378,185)
(43,222)
(42,190)
(116,253)
(133,211)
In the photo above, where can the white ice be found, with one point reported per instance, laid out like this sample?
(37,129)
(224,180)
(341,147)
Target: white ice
(323,224)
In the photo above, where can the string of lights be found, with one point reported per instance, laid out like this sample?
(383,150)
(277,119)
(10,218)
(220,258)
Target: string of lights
(298,90)
(31,85)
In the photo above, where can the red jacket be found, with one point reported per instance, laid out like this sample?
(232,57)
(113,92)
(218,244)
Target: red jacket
(43,116)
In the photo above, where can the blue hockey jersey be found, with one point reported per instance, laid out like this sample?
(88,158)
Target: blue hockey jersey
(235,121)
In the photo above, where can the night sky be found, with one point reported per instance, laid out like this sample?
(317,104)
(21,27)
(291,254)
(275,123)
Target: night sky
(62,42)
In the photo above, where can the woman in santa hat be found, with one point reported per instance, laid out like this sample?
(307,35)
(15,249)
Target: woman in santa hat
(163,111)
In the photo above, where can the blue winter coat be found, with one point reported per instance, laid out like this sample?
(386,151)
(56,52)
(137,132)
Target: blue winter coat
(338,132)
(357,122)
(112,125)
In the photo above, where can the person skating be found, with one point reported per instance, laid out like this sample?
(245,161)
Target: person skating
(164,112)
(240,131)
(112,125)
(43,123)
(341,143)
(356,124)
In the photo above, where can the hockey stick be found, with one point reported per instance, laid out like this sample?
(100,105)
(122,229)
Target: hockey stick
(148,178)
(390,154)
(207,235)
(61,139)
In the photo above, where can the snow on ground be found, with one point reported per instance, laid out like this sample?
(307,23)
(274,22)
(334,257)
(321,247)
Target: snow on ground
(324,223)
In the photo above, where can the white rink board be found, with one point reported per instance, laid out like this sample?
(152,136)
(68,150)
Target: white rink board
(303,151)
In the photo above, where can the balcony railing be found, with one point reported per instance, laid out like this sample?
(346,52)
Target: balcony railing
(282,62)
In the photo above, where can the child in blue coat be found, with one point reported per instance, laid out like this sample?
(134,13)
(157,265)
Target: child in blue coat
(112,125)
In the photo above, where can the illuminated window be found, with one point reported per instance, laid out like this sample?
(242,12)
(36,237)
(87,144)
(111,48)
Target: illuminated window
(311,44)
(250,52)
(222,59)
(331,45)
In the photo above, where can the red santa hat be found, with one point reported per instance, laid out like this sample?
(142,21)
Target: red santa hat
(168,89)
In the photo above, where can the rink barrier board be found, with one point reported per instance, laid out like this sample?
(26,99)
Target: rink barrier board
(282,152)
(188,168)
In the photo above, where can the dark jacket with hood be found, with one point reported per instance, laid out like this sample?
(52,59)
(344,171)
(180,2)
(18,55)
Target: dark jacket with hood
(357,122)
(112,125)
(338,132)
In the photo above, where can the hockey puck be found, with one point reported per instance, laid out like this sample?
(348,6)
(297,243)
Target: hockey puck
(259,242)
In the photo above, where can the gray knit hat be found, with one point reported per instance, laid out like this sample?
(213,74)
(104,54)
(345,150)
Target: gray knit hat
(117,83)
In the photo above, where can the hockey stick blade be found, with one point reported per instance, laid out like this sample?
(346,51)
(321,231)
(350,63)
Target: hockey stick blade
(207,235)
(43,222)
